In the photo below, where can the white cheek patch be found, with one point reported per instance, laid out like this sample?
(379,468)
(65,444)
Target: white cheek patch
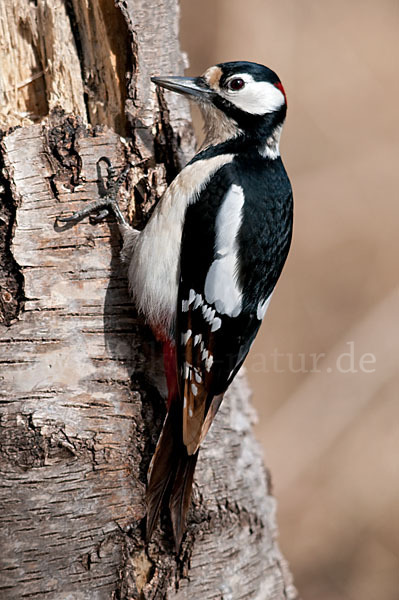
(256,97)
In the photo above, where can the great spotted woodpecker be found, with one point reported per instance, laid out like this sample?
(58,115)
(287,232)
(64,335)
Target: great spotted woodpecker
(203,270)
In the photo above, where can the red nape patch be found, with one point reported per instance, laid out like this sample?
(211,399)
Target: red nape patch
(170,364)
(280,87)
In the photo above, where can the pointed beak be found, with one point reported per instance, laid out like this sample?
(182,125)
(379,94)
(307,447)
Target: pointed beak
(189,86)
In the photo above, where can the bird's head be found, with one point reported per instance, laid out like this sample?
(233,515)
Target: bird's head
(237,99)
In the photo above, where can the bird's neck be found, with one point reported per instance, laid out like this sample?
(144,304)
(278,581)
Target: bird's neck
(271,147)
(218,127)
(223,134)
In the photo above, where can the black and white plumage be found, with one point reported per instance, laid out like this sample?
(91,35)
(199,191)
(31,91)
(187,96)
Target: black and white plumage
(203,270)
(235,241)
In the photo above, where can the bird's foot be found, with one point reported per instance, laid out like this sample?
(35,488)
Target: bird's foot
(107,203)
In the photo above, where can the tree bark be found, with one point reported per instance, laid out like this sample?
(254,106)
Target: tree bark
(79,418)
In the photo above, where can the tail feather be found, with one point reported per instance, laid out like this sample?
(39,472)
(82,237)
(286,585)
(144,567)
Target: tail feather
(179,500)
(170,476)
(160,474)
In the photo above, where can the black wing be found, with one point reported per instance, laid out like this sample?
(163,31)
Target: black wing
(212,345)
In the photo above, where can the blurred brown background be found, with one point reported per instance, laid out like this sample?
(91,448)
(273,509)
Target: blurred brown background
(329,424)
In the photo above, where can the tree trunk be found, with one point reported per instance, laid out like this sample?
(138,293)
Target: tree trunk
(79,418)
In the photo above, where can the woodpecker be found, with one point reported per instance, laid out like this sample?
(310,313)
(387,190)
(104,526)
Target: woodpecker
(203,270)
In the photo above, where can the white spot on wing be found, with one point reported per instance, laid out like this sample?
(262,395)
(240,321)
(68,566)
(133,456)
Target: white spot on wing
(206,313)
(216,324)
(209,362)
(186,336)
(194,389)
(198,301)
(221,286)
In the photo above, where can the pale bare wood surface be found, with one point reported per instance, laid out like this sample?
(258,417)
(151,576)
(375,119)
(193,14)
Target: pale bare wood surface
(37,71)
(78,420)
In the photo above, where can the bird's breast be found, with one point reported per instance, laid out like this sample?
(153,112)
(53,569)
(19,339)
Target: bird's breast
(155,266)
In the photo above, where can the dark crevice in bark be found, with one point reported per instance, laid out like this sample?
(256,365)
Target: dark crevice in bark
(130,70)
(120,42)
(61,140)
(135,569)
(22,446)
(120,38)
(75,31)
(11,279)
(165,142)
(70,11)
(26,447)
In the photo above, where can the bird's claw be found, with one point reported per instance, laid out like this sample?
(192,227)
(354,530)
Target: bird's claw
(107,203)
(67,219)
(100,216)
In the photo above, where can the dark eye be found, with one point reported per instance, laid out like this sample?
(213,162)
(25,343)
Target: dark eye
(236,84)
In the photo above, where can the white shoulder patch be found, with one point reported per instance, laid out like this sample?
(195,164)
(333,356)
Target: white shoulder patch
(221,285)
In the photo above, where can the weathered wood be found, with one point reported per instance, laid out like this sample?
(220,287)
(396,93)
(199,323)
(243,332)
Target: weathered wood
(78,419)
(39,62)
